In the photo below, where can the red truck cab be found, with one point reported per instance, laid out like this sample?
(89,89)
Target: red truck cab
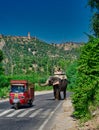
(21,93)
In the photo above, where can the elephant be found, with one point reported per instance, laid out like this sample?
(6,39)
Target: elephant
(58,86)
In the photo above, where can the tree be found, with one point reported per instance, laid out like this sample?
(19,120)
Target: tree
(86,93)
(72,75)
(3,80)
(1,58)
(94,4)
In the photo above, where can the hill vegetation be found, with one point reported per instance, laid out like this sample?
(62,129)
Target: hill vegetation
(26,56)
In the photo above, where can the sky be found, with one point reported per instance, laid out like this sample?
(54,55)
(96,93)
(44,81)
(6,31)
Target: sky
(52,21)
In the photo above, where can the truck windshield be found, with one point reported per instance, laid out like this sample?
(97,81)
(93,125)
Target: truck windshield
(17,88)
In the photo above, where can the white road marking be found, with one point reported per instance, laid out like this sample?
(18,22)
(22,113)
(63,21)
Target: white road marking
(35,113)
(49,117)
(14,113)
(5,112)
(47,112)
(25,112)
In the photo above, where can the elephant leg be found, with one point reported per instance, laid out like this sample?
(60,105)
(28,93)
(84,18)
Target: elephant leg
(64,94)
(58,96)
(54,92)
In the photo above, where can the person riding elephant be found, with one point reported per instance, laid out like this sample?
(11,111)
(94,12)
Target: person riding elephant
(60,74)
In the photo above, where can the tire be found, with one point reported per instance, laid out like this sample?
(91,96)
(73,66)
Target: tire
(30,103)
(16,106)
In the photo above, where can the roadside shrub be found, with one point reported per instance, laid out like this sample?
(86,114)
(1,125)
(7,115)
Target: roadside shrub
(33,78)
(4,83)
(4,92)
(72,75)
(86,93)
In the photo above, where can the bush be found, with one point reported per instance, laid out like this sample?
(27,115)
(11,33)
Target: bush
(86,93)
(72,75)
(33,78)
(4,83)
(4,92)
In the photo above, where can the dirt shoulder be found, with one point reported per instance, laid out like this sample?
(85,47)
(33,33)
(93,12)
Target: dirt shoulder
(64,119)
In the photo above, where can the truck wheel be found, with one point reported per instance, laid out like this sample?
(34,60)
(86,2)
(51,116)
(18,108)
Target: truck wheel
(30,103)
(16,106)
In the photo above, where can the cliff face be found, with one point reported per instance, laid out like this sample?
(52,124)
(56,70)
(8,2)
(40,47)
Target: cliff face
(68,45)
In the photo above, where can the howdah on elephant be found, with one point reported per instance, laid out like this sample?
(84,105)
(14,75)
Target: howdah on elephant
(58,86)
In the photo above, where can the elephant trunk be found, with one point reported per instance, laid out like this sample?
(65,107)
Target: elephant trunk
(44,84)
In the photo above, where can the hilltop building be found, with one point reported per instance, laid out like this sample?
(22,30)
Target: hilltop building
(29,37)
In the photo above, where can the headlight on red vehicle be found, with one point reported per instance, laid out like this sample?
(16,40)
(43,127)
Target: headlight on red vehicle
(22,97)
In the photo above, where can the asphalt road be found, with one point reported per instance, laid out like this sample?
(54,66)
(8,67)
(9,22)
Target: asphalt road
(29,118)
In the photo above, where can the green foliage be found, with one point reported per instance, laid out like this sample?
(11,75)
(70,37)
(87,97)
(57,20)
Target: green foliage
(72,75)
(1,58)
(4,83)
(4,92)
(3,80)
(33,78)
(86,93)
(95,24)
(27,56)
(94,4)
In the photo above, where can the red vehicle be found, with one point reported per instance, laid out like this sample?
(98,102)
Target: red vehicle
(21,93)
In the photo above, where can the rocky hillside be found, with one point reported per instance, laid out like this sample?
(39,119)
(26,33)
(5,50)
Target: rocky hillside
(28,54)
(68,45)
